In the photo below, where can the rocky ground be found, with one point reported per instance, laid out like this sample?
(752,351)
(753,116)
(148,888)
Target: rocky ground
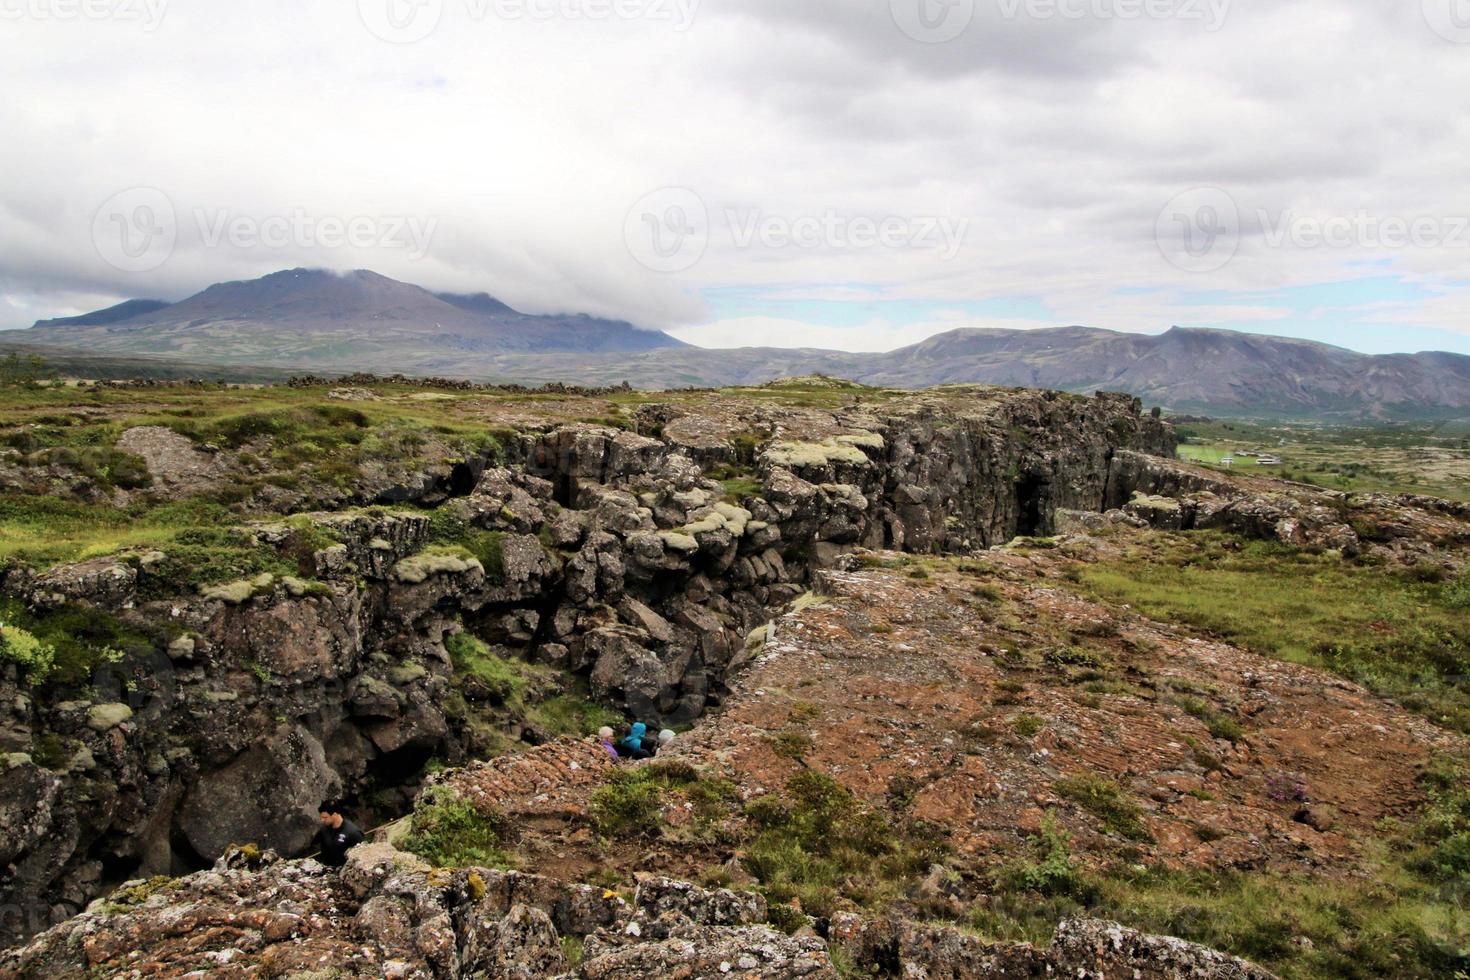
(958,687)
(389,915)
(860,608)
(214,684)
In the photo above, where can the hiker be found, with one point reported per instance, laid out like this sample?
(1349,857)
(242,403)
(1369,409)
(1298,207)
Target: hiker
(632,745)
(605,739)
(664,738)
(337,836)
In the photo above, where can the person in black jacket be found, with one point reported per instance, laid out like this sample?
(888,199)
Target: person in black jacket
(337,836)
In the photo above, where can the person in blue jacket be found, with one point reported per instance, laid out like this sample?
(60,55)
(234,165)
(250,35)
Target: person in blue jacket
(632,745)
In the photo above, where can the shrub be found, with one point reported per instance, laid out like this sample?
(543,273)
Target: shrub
(1027,725)
(448,831)
(789,745)
(1219,724)
(629,805)
(1072,656)
(74,639)
(1457,593)
(1443,829)
(22,647)
(1053,871)
(816,843)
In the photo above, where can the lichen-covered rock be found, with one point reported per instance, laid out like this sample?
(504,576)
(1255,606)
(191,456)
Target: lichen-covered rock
(1093,948)
(707,953)
(107,583)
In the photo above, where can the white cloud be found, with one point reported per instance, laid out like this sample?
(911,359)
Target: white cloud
(527,141)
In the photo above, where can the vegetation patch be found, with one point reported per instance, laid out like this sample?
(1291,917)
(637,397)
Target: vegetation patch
(1401,637)
(1220,724)
(1106,800)
(631,803)
(448,831)
(21,647)
(67,643)
(817,844)
(1405,919)
(487,676)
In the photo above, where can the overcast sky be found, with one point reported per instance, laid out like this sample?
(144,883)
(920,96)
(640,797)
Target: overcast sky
(855,174)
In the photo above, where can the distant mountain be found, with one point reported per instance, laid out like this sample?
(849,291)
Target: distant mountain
(330,323)
(125,310)
(318,319)
(1215,372)
(1220,371)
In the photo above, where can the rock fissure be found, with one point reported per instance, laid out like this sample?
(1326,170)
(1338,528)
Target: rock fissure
(607,556)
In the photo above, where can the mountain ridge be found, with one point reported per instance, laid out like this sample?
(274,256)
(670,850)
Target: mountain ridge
(328,322)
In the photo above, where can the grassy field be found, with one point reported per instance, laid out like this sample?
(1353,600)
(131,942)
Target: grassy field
(1389,630)
(1402,633)
(1393,458)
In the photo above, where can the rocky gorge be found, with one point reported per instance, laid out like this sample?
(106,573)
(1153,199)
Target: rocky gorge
(924,729)
(612,558)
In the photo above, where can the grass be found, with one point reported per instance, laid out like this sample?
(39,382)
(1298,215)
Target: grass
(1409,918)
(573,714)
(740,488)
(1415,457)
(1220,724)
(817,844)
(44,531)
(520,689)
(1400,636)
(296,439)
(504,681)
(1107,801)
(631,803)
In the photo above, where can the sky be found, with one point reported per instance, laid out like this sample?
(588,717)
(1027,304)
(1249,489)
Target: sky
(850,174)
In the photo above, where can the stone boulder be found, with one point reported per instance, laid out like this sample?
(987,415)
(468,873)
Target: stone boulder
(267,796)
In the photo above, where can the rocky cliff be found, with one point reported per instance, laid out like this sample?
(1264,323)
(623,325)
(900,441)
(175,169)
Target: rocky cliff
(635,564)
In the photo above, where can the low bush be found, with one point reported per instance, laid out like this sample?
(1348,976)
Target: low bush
(1052,870)
(21,647)
(448,831)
